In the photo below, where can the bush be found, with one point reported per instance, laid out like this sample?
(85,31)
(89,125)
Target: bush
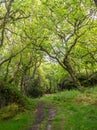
(10,94)
(86,81)
(9,111)
(90,80)
(35,90)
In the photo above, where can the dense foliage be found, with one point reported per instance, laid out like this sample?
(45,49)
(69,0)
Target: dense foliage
(9,94)
(43,43)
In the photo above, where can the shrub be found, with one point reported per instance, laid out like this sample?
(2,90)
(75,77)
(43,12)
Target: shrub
(86,81)
(35,90)
(10,94)
(9,111)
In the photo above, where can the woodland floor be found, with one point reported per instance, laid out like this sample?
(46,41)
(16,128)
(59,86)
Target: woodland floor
(68,110)
(45,112)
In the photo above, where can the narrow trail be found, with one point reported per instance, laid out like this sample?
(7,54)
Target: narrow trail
(52,114)
(41,116)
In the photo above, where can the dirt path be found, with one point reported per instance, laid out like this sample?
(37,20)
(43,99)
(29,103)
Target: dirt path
(52,114)
(41,116)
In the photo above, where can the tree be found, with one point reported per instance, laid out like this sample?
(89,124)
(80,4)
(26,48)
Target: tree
(60,26)
(65,31)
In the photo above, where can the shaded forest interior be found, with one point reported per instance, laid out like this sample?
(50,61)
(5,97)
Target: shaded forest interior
(46,47)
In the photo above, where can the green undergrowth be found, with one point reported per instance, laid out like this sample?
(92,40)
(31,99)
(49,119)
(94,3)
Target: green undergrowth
(14,117)
(9,94)
(19,122)
(9,111)
(75,110)
(16,110)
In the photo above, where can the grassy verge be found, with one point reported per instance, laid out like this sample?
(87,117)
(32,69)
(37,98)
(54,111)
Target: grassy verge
(16,123)
(21,121)
(75,110)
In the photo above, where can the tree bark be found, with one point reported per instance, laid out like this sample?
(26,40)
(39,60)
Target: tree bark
(72,74)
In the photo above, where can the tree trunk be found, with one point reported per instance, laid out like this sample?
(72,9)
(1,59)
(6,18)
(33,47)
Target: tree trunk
(72,74)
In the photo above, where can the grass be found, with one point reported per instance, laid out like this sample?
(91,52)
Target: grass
(23,120)
(16,123)
(75,110)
